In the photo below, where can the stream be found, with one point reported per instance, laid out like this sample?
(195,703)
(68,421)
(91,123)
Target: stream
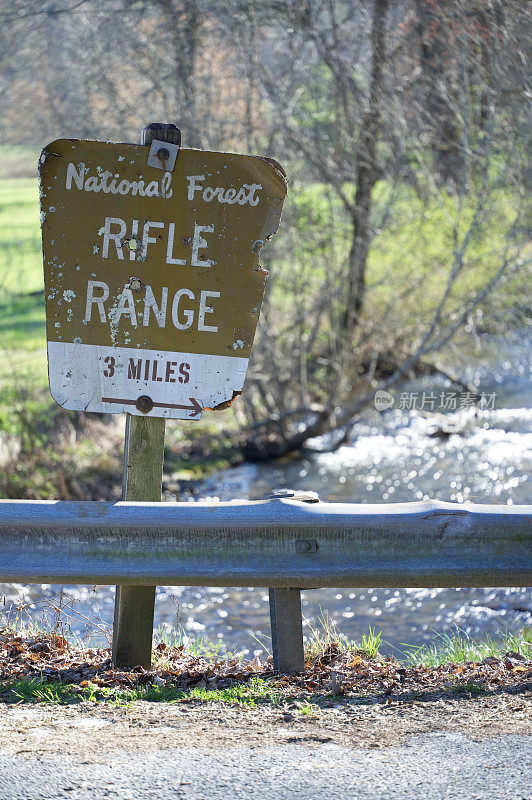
(426,444)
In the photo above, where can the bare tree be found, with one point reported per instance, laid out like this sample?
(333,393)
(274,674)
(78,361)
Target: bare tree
(350,98)
(386,114)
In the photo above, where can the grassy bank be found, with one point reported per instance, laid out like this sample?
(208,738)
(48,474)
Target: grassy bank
(22,316)
(39,667)
(48,453)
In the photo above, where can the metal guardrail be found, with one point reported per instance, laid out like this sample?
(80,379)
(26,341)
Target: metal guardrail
(280,543)
(274,543)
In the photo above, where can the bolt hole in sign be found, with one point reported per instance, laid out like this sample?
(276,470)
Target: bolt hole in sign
(152,277)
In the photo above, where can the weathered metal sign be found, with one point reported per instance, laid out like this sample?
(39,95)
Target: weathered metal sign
(152,277)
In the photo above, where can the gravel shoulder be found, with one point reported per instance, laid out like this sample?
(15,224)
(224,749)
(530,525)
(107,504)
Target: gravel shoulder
(465,748)
(97,729)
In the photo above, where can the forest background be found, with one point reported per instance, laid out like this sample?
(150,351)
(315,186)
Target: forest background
(404,128)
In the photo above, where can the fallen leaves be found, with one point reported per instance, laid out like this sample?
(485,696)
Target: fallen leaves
(334,672)
(338,672)
(53,659)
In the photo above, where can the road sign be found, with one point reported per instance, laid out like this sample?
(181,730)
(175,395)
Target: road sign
(152,277)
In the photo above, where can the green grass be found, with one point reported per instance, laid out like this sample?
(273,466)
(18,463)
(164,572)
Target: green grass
(445,649)
(21,269)
(22,313)
(197,646)
(22,321)
(324,636)
(256,692)
(23,340)
(459,647)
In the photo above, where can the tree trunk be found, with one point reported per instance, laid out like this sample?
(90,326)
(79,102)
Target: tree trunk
(367,174)
(439,96)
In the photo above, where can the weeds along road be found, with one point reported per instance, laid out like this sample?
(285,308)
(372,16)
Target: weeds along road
(465,748)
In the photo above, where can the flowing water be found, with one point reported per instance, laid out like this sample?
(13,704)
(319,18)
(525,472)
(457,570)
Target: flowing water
(427,445)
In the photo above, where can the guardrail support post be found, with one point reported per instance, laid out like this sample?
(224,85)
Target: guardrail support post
(285,607)
(287,630)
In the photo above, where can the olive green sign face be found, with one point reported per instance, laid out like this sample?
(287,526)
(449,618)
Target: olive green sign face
(152,277)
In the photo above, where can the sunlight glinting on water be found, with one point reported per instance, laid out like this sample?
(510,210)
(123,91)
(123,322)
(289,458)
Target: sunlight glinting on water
(398,456)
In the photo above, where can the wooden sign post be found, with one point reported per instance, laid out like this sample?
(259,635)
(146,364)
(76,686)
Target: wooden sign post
(153,291)
(142,479)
